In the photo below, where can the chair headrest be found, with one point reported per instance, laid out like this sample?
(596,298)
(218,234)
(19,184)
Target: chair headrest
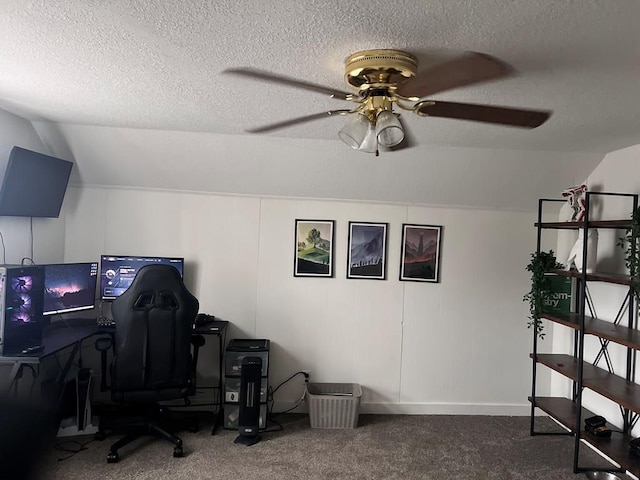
(164,300)
(155,286)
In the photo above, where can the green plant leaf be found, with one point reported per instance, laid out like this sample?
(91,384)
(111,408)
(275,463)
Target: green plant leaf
(540,264)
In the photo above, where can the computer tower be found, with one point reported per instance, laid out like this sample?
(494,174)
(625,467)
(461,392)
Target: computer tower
(21,304)
(236,352)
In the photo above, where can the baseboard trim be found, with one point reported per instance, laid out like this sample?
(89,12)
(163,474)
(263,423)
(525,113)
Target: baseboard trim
(512,410)
(446,409)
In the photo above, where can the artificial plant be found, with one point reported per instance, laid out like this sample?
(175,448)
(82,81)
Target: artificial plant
(631,245)
(541,263)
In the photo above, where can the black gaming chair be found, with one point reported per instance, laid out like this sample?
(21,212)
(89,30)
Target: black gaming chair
(151,350)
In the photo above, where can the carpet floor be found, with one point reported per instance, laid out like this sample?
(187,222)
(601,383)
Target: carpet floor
(434,447)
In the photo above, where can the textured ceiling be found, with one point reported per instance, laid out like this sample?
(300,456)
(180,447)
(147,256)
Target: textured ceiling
(156,64)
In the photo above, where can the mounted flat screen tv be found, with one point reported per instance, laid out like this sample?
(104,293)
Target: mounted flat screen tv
(118,271)
(69,287)
(34,184)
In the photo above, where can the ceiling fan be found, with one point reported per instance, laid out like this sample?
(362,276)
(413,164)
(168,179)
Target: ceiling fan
(384,78)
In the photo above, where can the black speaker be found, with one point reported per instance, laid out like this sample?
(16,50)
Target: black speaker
(249,412)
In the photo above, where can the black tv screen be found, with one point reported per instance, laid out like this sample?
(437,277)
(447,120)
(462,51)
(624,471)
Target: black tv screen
(118,271)
(34,184)
(69,287)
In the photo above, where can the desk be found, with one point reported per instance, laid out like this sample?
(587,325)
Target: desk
(219,329)
(58,336)
(71,333)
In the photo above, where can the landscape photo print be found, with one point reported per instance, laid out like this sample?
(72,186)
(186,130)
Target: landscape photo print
(420,258)
(367,250)
(314,248)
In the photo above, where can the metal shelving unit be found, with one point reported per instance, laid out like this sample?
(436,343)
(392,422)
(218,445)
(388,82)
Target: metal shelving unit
(623,390)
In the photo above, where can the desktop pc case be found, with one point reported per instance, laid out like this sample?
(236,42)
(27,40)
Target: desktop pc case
(21,304)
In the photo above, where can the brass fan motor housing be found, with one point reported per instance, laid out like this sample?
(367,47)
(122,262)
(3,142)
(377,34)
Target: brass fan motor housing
(379,68)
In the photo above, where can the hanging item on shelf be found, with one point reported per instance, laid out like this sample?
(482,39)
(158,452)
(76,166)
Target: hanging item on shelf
(576,254)
(566,237)
(541,287)
(575,199)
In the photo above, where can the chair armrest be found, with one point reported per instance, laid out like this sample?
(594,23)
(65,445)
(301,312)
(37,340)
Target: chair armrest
(104,343)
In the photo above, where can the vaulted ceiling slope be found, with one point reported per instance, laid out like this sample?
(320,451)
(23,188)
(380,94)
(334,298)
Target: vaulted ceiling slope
(130,74)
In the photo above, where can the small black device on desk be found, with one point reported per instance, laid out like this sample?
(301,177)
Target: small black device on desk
(33,350)
(203,319)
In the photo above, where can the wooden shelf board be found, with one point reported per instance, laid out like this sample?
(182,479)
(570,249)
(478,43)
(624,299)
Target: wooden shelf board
(615,388)
(616,278)
(562,409)
(629,337)
(621,224)
(571,320)
(561,363)
(615,447)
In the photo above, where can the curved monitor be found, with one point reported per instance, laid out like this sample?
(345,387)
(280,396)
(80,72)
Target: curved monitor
(118,271)
(69,287)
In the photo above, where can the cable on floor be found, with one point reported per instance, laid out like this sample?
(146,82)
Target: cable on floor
(72,451)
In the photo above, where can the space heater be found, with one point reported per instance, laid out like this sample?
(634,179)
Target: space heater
(249,411)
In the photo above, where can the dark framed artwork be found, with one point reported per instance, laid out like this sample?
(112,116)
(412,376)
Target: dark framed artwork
(420,257)
(314,248)
(367,250)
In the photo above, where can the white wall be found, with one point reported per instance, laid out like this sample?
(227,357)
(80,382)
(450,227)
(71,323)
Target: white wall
(618,172)
(459,346)
(48,233)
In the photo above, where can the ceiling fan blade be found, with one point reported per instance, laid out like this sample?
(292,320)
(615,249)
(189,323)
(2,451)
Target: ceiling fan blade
(515,117)
(291,82)
(469,69)
(297,121)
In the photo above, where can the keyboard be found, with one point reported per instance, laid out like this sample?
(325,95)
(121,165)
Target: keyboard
(106,322)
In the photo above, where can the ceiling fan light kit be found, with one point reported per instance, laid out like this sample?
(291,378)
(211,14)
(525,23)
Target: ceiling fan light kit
(385,78)
(363,131)
(389,131)
(355,130)
(370,142)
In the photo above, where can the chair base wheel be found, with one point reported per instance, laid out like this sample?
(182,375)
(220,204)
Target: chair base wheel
(177,452)
(113,457)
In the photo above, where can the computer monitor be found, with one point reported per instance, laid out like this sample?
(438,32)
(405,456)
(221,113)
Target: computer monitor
(118,271)
(69,287)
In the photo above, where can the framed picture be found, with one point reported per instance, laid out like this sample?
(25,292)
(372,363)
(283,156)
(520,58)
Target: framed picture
(314,248)
(420,257)
(367,257)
